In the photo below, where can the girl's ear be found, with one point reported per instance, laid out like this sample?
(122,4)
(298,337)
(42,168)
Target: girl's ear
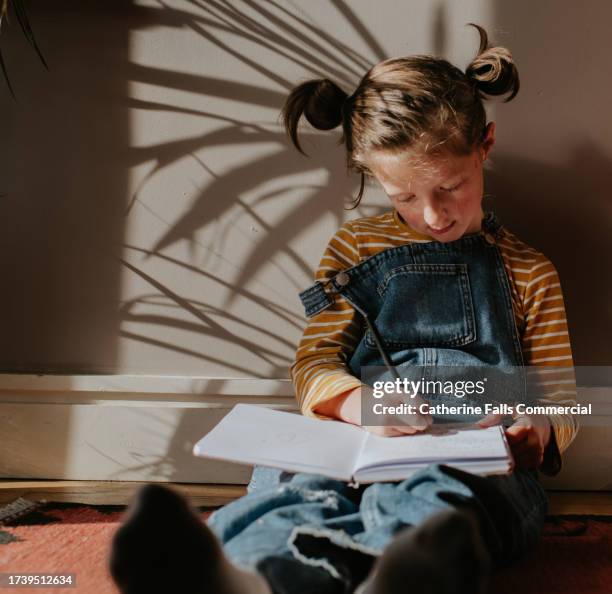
(488,140)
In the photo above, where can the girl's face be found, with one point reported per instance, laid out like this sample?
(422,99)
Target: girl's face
(439,198)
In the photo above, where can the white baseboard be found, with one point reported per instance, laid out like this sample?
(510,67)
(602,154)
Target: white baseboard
(142,428)
(125,428)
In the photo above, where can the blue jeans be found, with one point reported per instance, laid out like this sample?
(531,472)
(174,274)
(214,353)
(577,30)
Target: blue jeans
(306,532)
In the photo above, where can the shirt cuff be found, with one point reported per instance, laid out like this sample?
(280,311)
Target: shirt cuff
(551,464)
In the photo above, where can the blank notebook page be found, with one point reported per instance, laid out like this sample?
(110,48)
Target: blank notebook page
(478,444)
(264,436)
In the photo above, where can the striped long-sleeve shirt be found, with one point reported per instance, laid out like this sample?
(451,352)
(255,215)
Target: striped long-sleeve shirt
(320,372)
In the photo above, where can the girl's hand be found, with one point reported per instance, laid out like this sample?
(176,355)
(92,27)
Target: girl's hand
(527,437)
(408,424)
(347,408)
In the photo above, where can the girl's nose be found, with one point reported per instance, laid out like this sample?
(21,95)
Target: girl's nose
(435,215)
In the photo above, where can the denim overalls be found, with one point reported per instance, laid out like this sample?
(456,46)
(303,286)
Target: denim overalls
(427,304)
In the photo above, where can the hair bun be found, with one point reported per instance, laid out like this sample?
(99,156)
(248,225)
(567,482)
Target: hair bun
(319,100)
(493,71)
(323,108)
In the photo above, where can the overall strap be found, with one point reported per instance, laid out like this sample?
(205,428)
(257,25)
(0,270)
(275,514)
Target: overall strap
(491,225)
(321,295)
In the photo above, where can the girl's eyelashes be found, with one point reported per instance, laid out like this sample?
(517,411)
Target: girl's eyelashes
(410,198)
(455,187)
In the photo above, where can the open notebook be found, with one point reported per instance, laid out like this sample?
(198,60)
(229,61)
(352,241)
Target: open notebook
(254,435)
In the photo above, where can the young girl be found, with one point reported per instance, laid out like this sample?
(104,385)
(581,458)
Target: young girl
(434,281)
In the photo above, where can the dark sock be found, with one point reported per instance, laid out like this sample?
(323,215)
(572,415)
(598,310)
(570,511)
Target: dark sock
(444,555)
(163,546)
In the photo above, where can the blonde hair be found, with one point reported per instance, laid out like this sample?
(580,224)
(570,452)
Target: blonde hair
(421,103)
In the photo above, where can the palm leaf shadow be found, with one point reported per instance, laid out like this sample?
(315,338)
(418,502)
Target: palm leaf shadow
(309,47)
(207,325)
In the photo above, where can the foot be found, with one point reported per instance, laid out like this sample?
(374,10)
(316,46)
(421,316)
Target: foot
(163,546)
(444,555)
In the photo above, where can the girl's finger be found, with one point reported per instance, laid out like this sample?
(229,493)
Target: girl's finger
(386,431)
(406,429)
(379,431)
(531,441)
(517,433)
(409,424)
(414,420)
(413,428)
(490,420)
(425,417)
(418,401)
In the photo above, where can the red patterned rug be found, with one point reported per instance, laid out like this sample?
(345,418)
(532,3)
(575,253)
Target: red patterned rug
(574,555)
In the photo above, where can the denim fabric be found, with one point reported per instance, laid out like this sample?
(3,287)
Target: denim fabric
(429,304)
(306,532)
(436,304)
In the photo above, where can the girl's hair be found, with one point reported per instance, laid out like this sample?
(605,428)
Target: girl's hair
(419,102)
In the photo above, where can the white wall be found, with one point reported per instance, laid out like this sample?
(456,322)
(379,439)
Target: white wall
(155,219)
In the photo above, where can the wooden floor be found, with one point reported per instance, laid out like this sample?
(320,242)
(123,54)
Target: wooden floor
(111,492)
(119,493)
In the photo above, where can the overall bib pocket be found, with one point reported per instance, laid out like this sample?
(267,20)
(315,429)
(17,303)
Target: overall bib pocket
(425,305)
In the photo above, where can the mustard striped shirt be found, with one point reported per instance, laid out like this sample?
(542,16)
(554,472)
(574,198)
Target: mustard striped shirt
(319,371)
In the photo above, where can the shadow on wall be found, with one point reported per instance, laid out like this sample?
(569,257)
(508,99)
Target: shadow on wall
(63,259)
(316,52)
(566,213)
(563,211)
(536,200)
(64,255)
(224,192)
(561,203)
(63,180)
